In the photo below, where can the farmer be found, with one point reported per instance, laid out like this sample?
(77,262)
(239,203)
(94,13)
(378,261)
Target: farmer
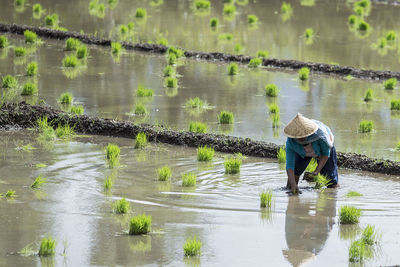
(309,139)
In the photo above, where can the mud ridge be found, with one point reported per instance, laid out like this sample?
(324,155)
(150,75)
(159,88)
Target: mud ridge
(212,56)
(23,115)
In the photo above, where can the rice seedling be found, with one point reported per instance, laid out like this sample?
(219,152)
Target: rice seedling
(141,140)
(366,126)
(171,59)
(108,183)
(262,53)
(229,9)
(112,3)
(39,181)
(121,206)
(37,8)
(144,92)
(140,13)
(9,81)
(116,48)
(214,22)
(196,103)
(273,108)
(70,61)
(47,246)
(202,4)
(3,41)
(281,155)
(164,173)
(233,69)
(357,251)
(304,72)
(192,247)
(64,131)
(266,199)
(140,110)
(252,19)
(369,235)
(66,98)
(232,163)
(29,89)
(368,95)
(390,83)
(255,62)
(391,36)
(19,51)
(321,181)
(225,36)
(51,20)
(205,153)
(309,33)
(395,104)
(163,41)
(197,127)
(171,82)
(271,90)
(82,52)
(19,2)
(140,224)
(169,71)
(286,11)
(238,48)
(362,25)
(10,194)
(188,179)
(30,37)
(226,117)
(32,69)
(349,215)
(78,110)
(112,154)
(312,165)
(362,7)
(352,20)
(123,29)
(176,51)
(40,165)
(47,135)
(354,194)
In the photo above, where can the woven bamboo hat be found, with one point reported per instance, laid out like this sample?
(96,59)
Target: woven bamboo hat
(300,127)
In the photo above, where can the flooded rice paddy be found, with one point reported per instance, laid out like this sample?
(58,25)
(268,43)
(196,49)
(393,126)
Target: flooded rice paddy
(221,210)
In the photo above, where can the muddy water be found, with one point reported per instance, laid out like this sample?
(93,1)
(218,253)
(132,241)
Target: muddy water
(178,22)
(222,210)
(107,88)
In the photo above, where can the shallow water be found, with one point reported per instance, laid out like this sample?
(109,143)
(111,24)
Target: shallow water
(177,21)
(222,210)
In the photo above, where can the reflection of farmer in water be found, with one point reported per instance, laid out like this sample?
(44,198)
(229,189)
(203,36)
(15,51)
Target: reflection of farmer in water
(307,226)
(309,139)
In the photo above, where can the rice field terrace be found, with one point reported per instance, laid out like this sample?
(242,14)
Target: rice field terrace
(69,197)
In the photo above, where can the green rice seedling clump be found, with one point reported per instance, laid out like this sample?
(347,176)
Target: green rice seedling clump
(214,22)
(226,117)
(357,251)
(312,165)
(78,110)
(163,41)
(169,71)
(232,163)
(252,19)
(32,69)
(273,108)
(9,81)
(140,224)
(304,72)
(382,42)
(19,2)
(70,61)
(321,181)
(171,82)
(286,8)
(47,246)
(39,181)
(30,37)
(266,199)
(390,83)
(271,90)
(51,20)
(202,4)
(197,127)
(29,89)
(171,59)
(369,235)
(144,92)
(352,20)
(349,215)
(255,62)
(369,95)
(188,179)
(19,51)
(195,103)
(205,153)
(308,33)
(395,104)
(233,69)
(121,206)
(141,140)
(140,13)
(116,48)
(140,110)
(354,194)
(276,120)
(66,98)
(225,36)
(238,48)
(37,8)
(82,52)
(112,152)
(192,247)
(176,51)
(229,9)
(10,194)
(164,173)
(363,25)
(3,41)
(281,155)
(123,29)
(64,131)
(366,126)
(391,36)
(108,183)
(262,53)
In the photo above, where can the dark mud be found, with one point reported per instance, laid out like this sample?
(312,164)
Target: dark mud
(213,56)
(22,115)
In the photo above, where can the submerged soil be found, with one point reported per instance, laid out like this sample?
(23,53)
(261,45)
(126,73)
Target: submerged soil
(24,115)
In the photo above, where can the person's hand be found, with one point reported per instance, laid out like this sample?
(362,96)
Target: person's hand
(314,173)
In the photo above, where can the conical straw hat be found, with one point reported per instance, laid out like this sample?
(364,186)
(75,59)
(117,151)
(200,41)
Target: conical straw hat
(300,127)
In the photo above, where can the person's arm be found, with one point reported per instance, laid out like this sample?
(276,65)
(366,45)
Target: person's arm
(290,160)
(292,181)
(323,158)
